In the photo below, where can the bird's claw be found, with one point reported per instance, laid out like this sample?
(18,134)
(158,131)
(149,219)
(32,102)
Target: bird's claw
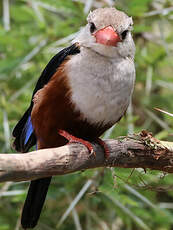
(73,139)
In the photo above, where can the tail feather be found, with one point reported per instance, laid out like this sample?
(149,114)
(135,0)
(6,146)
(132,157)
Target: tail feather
(24,140)
(34,202)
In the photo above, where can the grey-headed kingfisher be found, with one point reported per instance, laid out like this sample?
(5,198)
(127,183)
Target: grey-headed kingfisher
(83,91)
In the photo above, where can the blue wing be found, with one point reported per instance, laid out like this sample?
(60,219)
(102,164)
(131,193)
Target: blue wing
(28,130)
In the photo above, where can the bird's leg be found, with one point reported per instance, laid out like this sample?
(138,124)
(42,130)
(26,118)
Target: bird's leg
(105,147)
(73,139)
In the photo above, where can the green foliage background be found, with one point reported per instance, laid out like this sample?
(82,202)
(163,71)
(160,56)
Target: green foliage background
(118,199)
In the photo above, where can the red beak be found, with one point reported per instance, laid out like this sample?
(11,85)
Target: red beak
(107,36)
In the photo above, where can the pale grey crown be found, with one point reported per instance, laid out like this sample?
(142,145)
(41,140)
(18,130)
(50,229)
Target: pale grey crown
(120,21)
(103,17)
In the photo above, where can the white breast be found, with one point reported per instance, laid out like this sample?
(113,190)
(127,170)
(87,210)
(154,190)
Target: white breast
(101,87)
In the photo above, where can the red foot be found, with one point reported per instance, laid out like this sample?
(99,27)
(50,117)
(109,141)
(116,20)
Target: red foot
(105,147)
(73,139)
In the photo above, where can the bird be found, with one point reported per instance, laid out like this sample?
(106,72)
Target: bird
(83,91)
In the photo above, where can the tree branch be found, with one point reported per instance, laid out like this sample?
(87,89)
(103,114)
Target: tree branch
(137,151)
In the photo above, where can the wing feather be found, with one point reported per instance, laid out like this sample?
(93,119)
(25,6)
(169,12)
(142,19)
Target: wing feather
(24,131)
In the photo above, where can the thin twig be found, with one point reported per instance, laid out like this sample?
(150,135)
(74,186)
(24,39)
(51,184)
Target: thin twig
(148,85)
(6,130)
(161,110)
(163,124)
(35,6)
(6,14)
(33,52)
(75,201)
(5,187)
(127,211)
(130,127)
(75,214)
(164,11)
(167,85)
(88,6)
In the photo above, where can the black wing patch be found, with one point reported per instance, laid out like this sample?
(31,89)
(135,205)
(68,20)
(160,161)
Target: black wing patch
(23,131)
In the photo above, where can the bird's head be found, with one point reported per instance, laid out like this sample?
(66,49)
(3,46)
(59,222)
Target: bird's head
(108,33)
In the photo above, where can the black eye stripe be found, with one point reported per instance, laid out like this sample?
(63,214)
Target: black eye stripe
(92,27)
(124,34)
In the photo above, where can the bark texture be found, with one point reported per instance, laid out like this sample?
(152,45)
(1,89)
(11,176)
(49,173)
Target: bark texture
(137,151)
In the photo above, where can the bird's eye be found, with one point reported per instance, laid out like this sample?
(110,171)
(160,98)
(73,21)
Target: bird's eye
(92,27)
(124,34)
